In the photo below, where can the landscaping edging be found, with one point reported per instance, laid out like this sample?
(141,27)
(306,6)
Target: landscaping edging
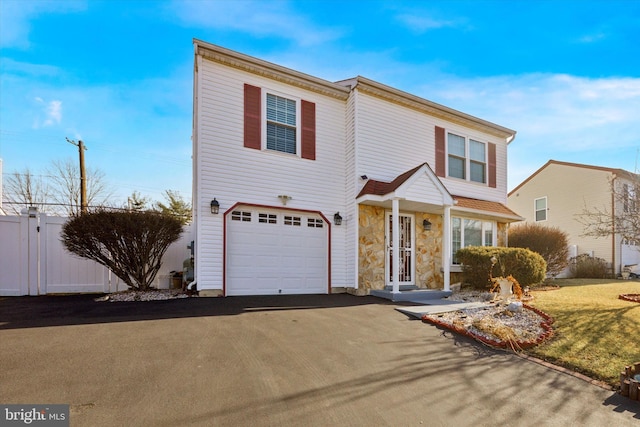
(630,297)
(545,325)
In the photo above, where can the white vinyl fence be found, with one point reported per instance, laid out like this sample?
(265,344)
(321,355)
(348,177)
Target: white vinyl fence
(33,260)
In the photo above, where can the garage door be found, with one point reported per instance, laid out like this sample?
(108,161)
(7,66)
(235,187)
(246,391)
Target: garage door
(273,252)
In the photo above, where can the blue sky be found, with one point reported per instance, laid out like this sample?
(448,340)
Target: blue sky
(118,74)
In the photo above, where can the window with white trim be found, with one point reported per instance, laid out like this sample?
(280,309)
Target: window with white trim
(540,209)
(467,158)
(282,124)
(471,232)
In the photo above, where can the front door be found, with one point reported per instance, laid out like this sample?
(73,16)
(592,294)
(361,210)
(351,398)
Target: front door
(406,246)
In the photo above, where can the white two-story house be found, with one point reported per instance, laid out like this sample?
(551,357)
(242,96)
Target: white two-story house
(303,185)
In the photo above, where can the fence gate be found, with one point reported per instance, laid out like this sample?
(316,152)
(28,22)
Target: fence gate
(33,260)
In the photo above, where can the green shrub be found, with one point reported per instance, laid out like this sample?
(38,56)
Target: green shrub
(550,242)
(584,266)
(528,267)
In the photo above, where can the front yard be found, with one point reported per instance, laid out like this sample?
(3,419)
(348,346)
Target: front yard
(596,332)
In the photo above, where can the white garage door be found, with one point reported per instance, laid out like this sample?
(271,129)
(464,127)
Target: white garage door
(273,252)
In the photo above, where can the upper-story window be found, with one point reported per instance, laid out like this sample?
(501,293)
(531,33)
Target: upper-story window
(467,158)
(274,122)
(281,124)
(540,208)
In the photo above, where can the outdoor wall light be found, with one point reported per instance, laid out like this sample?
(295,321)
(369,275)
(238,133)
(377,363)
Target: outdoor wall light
(337,219)
(426,224)
(215,206)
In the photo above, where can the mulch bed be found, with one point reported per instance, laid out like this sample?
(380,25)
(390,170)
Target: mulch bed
(494,341)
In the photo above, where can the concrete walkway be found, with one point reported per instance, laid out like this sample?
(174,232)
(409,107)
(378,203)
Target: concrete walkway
(327,360)
(439,306)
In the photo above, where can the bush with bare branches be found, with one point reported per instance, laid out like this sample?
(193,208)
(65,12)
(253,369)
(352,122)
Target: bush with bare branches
(130,243)
(550,242)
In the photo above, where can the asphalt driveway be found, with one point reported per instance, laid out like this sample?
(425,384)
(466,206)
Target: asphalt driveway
(332,360)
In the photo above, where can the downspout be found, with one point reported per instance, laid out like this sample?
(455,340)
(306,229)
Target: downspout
(194,178)
(613,227)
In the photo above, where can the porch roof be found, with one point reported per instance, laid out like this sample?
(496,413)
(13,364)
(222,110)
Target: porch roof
(404,187)
(467,204)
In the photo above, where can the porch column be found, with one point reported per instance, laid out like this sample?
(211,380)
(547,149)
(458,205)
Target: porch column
(446,247)
(395,244)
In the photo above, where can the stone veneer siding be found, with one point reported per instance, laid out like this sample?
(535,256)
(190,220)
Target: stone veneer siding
(371,249)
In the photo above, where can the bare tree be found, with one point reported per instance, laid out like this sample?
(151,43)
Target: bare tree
(24,189)
(67,188)
(622,218)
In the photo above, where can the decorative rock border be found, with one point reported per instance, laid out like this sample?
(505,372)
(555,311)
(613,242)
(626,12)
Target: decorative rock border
(630,297)
(546,326)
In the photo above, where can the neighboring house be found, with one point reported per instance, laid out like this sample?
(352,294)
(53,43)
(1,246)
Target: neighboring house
(302,185)
(2,212)
(558,192)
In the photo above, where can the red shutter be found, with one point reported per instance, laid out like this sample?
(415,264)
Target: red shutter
(440,152)
(252,114)
(308,130)
(492,165)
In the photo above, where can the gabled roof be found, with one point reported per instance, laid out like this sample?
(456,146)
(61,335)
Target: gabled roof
(380,188)
(614,171)
(342,89)
(415,102)
(395,188)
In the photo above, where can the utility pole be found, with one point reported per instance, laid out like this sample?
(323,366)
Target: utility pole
(83,176)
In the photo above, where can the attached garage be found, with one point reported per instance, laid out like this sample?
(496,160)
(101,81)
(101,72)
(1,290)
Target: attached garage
(276,251)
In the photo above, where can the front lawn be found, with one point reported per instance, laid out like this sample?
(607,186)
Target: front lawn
(596,333)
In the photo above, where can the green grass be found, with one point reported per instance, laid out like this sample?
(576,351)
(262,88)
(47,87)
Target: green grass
(596,333)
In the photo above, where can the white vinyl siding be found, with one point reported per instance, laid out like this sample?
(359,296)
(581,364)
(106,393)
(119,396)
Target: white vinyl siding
(225,169)
(391,139)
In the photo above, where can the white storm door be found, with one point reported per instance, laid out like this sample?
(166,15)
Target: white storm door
(406,246)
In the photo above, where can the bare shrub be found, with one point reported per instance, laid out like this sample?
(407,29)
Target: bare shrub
(130,243)
(550,242)
(584,266)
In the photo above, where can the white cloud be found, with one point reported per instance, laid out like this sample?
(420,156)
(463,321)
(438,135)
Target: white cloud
(54,113)
(258,18)
(421,24)
(51,113)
